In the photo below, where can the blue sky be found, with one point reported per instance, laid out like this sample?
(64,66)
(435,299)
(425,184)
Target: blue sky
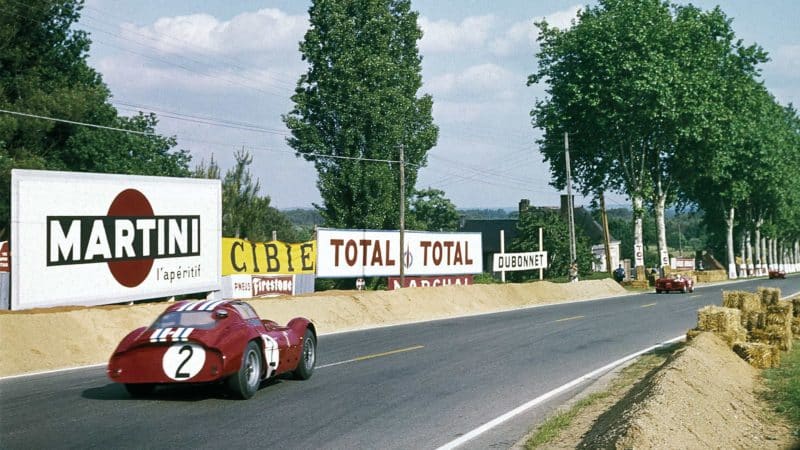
(237,62)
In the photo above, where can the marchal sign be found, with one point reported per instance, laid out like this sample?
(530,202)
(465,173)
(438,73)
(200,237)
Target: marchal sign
(89,239)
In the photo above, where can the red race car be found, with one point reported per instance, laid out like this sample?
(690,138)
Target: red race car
(676,282)
(777,274)
(208,341)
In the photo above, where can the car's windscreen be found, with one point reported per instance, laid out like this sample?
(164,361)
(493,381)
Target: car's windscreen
(186,319)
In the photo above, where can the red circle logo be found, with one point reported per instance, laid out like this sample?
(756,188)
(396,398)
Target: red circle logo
(130,203)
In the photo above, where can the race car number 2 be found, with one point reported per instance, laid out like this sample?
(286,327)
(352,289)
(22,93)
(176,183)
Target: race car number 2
(183,361)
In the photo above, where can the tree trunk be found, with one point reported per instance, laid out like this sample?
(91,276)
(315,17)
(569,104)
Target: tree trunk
(758,261)
(661,226)
(638,233)
(765,262)
(749,260)
(731,258)
(743,255)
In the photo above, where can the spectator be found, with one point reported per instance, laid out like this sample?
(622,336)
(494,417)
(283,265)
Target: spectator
(619,274)
(573,272)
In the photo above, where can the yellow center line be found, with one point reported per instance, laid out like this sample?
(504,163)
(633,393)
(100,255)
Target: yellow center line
(375,355)
(569,318)
(648,305)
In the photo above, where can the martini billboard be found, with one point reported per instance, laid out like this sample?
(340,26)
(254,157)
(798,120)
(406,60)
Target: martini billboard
(90,239)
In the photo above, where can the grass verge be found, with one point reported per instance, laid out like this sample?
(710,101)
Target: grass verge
(551,428)
(783,385)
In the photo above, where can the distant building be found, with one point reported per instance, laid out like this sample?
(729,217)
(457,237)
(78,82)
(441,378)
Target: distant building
(490,232)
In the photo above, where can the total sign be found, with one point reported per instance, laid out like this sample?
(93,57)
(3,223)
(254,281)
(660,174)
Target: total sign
(360,253)
(89,239)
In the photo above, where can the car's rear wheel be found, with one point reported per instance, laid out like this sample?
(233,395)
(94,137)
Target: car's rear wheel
(244,383)
(658,291)
(308,357)
(137,390)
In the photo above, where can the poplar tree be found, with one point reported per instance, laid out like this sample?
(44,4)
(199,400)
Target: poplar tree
(357,105)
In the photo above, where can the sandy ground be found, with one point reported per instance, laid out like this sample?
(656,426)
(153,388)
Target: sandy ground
(704,396)
(54,338)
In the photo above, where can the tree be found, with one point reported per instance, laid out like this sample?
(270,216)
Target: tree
(432,211)
(555,242)
(43,71)
(632,81)
(245,213)
(357,105)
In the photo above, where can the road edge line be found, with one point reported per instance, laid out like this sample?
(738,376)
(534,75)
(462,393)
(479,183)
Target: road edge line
(547,396)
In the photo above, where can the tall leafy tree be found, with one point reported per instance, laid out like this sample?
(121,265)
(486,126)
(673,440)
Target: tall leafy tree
(555,241)
(358,104)
(43,72)
(631,81)
(432,211)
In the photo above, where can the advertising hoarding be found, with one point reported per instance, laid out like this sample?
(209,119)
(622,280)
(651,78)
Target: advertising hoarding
(445,280)
(368,253)
(519,261)
(91,239)
(274,257)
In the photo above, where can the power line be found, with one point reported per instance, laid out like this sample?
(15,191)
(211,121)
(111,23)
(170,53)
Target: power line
(103,127)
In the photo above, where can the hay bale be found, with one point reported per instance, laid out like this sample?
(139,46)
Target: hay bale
(796,327)
(760,356)
(742,300)
(725,322)
(776,335)
(753,320)
(780,314)
(796,306)
(769,296)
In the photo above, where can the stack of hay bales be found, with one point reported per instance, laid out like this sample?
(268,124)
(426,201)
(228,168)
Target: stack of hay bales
(724,322)
(768,322)
(796,319)
(749,304)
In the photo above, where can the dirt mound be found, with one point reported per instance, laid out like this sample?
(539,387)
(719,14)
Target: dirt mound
(703,397)
(67,337)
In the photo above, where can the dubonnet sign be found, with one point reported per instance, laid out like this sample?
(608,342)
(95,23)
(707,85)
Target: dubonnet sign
(89,239)
(365,253)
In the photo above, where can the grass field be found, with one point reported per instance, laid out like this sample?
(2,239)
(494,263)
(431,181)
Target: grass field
(784,387)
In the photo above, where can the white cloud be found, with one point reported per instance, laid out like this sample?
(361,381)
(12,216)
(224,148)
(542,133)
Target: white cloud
(479,81)
(263,30)
(448,36)
(521,36)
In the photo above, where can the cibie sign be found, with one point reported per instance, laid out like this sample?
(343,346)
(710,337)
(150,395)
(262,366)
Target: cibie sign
(360,253)
(88,239)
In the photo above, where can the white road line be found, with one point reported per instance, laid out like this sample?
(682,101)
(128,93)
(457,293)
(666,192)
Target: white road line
(542,398)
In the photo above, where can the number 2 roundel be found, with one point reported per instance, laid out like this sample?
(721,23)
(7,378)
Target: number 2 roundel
(183,361)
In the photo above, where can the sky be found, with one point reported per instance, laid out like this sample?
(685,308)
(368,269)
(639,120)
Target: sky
(219,75)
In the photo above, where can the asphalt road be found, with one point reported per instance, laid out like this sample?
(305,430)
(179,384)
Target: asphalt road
(412,386)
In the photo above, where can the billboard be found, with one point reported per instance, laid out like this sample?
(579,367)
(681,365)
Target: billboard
(273,257)
(445,280)
(519,261)
(91,239)
(369,253)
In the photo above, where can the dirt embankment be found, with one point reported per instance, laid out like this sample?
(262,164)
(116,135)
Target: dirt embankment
(54,338)
(704,396)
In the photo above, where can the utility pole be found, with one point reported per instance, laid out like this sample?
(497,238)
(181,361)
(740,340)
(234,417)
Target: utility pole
(606,234)
(402,216)
(570,206)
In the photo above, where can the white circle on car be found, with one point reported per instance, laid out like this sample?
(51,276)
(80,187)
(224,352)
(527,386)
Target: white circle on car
(183,361)
(272,354)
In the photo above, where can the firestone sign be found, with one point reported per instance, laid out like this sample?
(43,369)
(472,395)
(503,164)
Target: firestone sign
(359,253)
(87,239)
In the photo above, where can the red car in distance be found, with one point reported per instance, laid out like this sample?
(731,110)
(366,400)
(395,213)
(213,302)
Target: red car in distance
(213,341)
(676,282)
(777,274)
